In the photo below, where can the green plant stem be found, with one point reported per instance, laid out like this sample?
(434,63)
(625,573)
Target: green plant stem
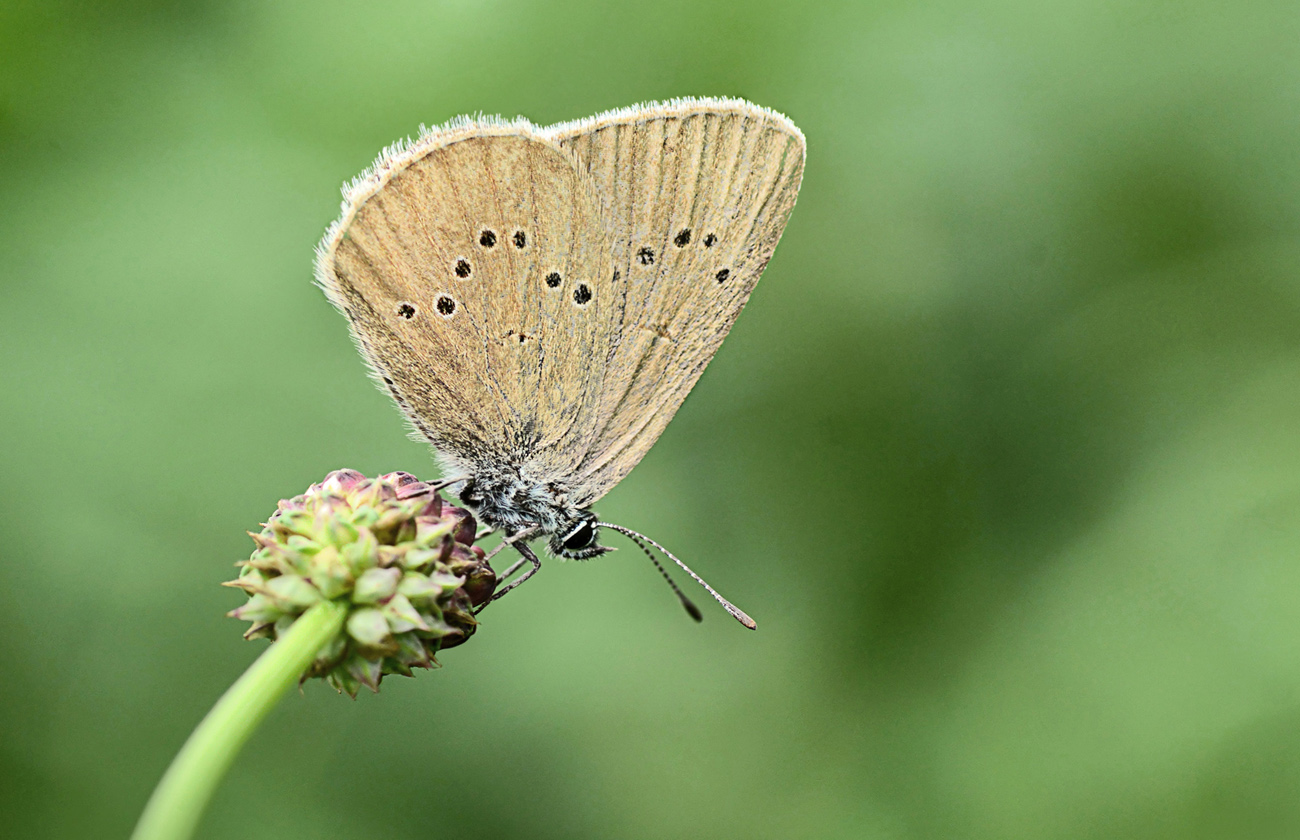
(180,798)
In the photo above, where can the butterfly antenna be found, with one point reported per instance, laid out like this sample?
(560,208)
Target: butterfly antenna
(736,612)
(692,610)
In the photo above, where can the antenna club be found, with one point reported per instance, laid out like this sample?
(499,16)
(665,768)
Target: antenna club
(694,612)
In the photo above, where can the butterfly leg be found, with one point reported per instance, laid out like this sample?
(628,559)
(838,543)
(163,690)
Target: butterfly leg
(522,548)
(521,535)
(514,567)
(519,541)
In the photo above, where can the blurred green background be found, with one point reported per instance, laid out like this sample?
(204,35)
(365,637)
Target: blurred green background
(1003,454)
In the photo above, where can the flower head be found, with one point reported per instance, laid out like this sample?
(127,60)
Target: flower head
(401,559)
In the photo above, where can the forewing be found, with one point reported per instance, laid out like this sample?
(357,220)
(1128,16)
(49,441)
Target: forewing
(696,194)
(467,266)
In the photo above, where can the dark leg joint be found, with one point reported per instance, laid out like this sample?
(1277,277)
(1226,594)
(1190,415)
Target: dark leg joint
(522,548)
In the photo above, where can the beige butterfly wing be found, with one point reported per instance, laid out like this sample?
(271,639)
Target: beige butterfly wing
(696,194)
(467,265)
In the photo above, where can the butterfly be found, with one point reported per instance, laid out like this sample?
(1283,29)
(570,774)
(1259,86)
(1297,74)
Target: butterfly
(540,300)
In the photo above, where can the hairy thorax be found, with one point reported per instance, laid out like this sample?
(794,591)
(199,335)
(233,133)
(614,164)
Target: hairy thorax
(510,500)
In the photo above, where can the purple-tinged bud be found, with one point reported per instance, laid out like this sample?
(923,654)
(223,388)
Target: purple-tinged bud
(402,560)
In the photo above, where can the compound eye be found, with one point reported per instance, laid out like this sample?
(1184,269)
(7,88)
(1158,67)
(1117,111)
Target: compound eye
(580,537)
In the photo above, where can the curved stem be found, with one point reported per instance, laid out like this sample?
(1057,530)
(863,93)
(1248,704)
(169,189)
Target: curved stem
(180,798)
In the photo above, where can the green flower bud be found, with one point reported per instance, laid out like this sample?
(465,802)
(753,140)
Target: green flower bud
(401,559)
(376,585)
(369,627)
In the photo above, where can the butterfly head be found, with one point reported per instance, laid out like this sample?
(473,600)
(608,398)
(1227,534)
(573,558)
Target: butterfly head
(578,540)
